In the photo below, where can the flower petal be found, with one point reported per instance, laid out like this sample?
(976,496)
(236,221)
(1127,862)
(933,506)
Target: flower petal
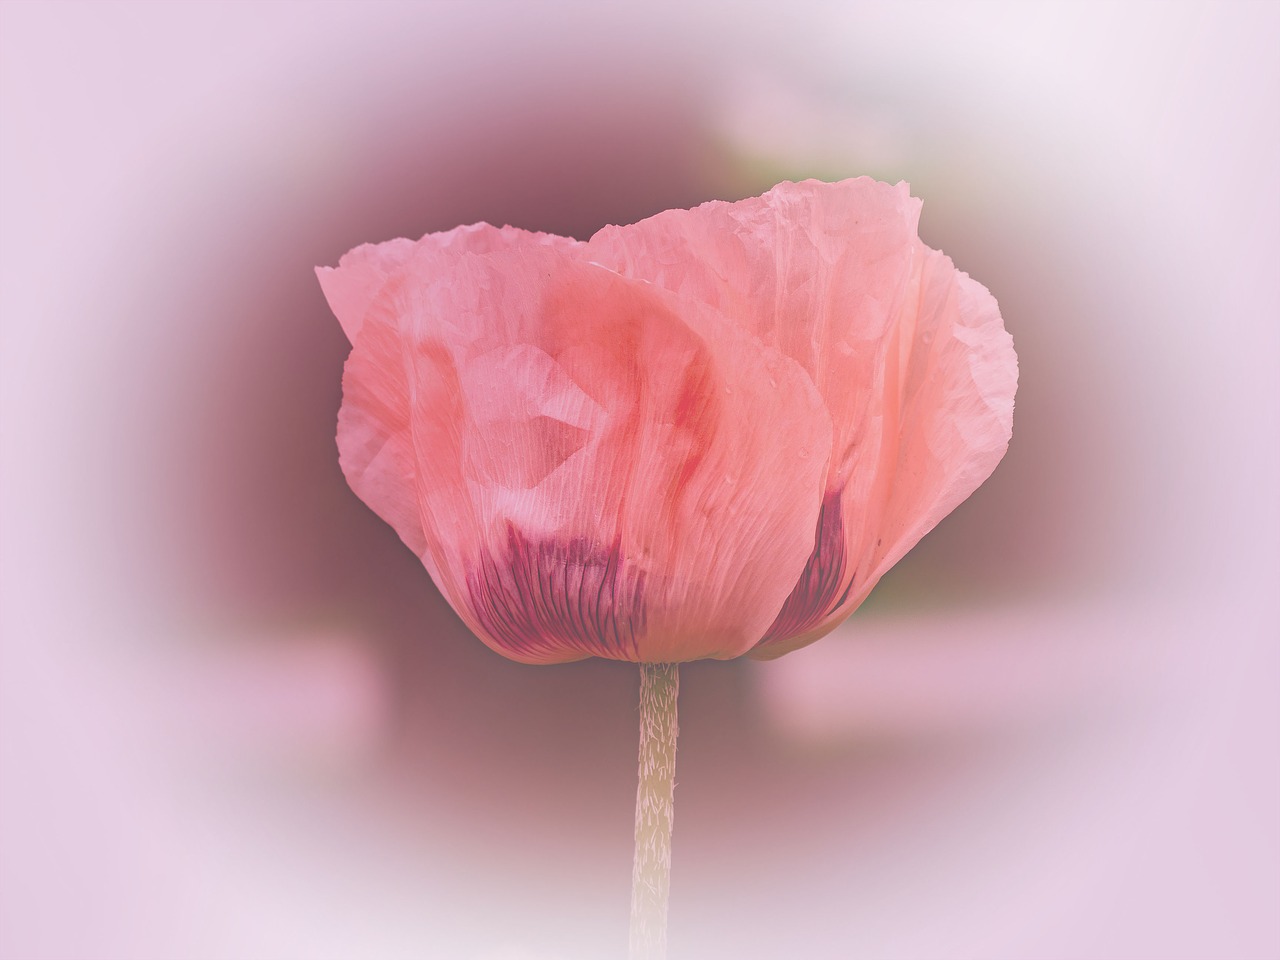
(361,273)
(373,432)
(835,276)
(955,420)
(598,467)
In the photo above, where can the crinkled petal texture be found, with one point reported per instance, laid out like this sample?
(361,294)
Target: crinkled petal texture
(909,354)
(588,464)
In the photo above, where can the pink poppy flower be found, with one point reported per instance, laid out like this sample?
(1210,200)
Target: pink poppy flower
(706,434)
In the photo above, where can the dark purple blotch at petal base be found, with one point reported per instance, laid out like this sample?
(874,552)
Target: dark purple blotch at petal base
(818,591)
(543,598)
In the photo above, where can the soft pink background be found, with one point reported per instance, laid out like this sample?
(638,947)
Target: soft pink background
(237,721)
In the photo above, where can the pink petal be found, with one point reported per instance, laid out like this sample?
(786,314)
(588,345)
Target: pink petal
(913,364)
(594,466)
(955,420)
(375,452)
(361,273)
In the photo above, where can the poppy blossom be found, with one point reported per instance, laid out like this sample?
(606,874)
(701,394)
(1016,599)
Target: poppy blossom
(706,434)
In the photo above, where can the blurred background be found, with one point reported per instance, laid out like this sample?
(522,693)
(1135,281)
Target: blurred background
(238,721)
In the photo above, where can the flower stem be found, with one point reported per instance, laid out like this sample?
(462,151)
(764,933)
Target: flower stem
(651,875)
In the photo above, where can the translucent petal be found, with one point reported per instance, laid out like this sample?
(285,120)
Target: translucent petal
(593,465)
(910,357)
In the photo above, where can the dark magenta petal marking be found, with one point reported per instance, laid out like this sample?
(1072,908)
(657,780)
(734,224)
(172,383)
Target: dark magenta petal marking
(817,592)
(546,597)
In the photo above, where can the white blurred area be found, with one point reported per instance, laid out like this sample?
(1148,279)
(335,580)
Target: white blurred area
(235,719)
